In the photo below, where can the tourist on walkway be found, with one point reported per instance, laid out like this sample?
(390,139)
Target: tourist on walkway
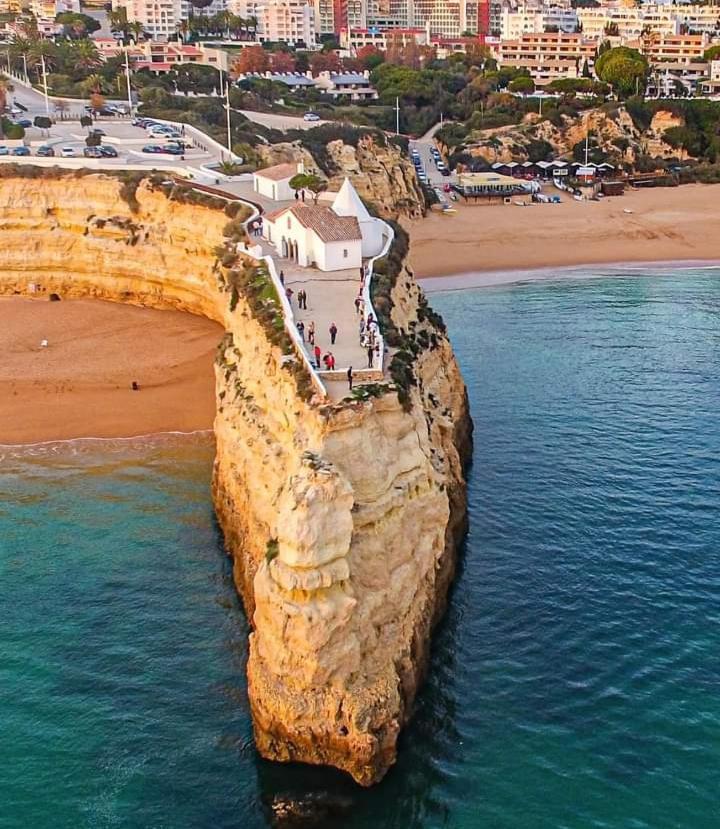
(333,333)
(317,353)
(282,277)
(330,361)
(302,299)
(301,329)
(370,353)
(311,333)
(350,377)
(361,328)
(289,294)
(358,301)
(326,360)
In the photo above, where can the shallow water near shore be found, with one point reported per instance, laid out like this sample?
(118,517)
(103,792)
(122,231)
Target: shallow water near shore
(574,681)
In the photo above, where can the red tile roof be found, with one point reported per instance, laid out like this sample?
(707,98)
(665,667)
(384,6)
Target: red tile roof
(321,220)
(278,172)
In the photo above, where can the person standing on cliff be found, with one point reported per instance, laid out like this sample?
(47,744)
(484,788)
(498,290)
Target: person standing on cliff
(350,378)
(333,333)
(317,353)
(370,353)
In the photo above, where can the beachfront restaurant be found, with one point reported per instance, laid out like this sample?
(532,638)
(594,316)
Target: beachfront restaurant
(487,186)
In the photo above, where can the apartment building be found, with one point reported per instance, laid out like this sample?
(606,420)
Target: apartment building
(672,48)
(548,56)
(695,19)
(48,9)
(286,21)
(628,23)
(446,18)
(354,39)
(711,85)
(159,18)
(525,20)
(10,7)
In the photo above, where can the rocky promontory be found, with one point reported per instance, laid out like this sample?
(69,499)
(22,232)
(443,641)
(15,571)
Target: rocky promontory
(342,518)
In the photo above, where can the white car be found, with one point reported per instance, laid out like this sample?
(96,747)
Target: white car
(311,116)
(68,152)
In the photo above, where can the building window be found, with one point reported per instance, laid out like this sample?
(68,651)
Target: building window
(289,223)
(344,253)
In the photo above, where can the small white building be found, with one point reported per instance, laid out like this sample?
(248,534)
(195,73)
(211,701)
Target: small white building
(315,236)
(274,182)
(348,203)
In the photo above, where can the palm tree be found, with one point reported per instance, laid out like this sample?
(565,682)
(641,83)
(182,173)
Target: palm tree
(93,84)
(19,49)
(85,55)
(183,29)
(136,30)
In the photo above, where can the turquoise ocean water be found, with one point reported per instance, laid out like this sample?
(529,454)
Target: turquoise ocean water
(575,681)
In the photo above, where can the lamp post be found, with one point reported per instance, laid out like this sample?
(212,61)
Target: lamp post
(127,80)
(45,88)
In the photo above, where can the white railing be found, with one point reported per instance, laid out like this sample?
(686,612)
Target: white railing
(366,294)
(288,315)
(99,164)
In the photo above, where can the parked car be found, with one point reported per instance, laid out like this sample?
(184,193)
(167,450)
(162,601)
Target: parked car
(45,151)
(21,151)
(68,152)
(97,131)
(108,152)
(153,148)
(311,116)
(24,123)
(4,150)
(92,152)
(172,149)
(445,171)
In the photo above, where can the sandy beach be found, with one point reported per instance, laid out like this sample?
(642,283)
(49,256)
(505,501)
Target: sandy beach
(666,224)
(80,385)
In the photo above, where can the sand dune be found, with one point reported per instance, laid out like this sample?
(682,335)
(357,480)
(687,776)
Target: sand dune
(680,223)
(80,385)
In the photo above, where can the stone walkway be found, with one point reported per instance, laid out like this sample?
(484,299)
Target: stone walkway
(330,298)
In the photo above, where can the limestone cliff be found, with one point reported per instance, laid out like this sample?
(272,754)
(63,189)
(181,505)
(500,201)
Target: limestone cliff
(342,519)
(380,173)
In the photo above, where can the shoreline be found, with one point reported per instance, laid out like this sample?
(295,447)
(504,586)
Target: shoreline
(642,228)
(559,273)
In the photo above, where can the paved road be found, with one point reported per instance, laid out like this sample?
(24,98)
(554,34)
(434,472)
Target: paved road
(35,102)
(279,122)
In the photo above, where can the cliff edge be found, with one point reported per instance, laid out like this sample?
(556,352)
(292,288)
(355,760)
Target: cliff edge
(342,519)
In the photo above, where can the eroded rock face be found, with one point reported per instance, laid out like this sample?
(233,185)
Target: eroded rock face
(342,520)
(380,174)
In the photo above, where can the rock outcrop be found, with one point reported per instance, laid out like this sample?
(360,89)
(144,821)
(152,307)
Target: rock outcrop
(343,519)
(380,173)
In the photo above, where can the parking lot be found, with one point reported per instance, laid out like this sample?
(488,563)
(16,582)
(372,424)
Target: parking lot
(68,139)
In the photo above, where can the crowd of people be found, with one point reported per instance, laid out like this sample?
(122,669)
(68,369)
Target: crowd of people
(368,331)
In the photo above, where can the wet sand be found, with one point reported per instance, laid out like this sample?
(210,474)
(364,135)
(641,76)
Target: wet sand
(80,385)
(666,224)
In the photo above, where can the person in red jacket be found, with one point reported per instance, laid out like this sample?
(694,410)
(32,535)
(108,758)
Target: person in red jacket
(317,353)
